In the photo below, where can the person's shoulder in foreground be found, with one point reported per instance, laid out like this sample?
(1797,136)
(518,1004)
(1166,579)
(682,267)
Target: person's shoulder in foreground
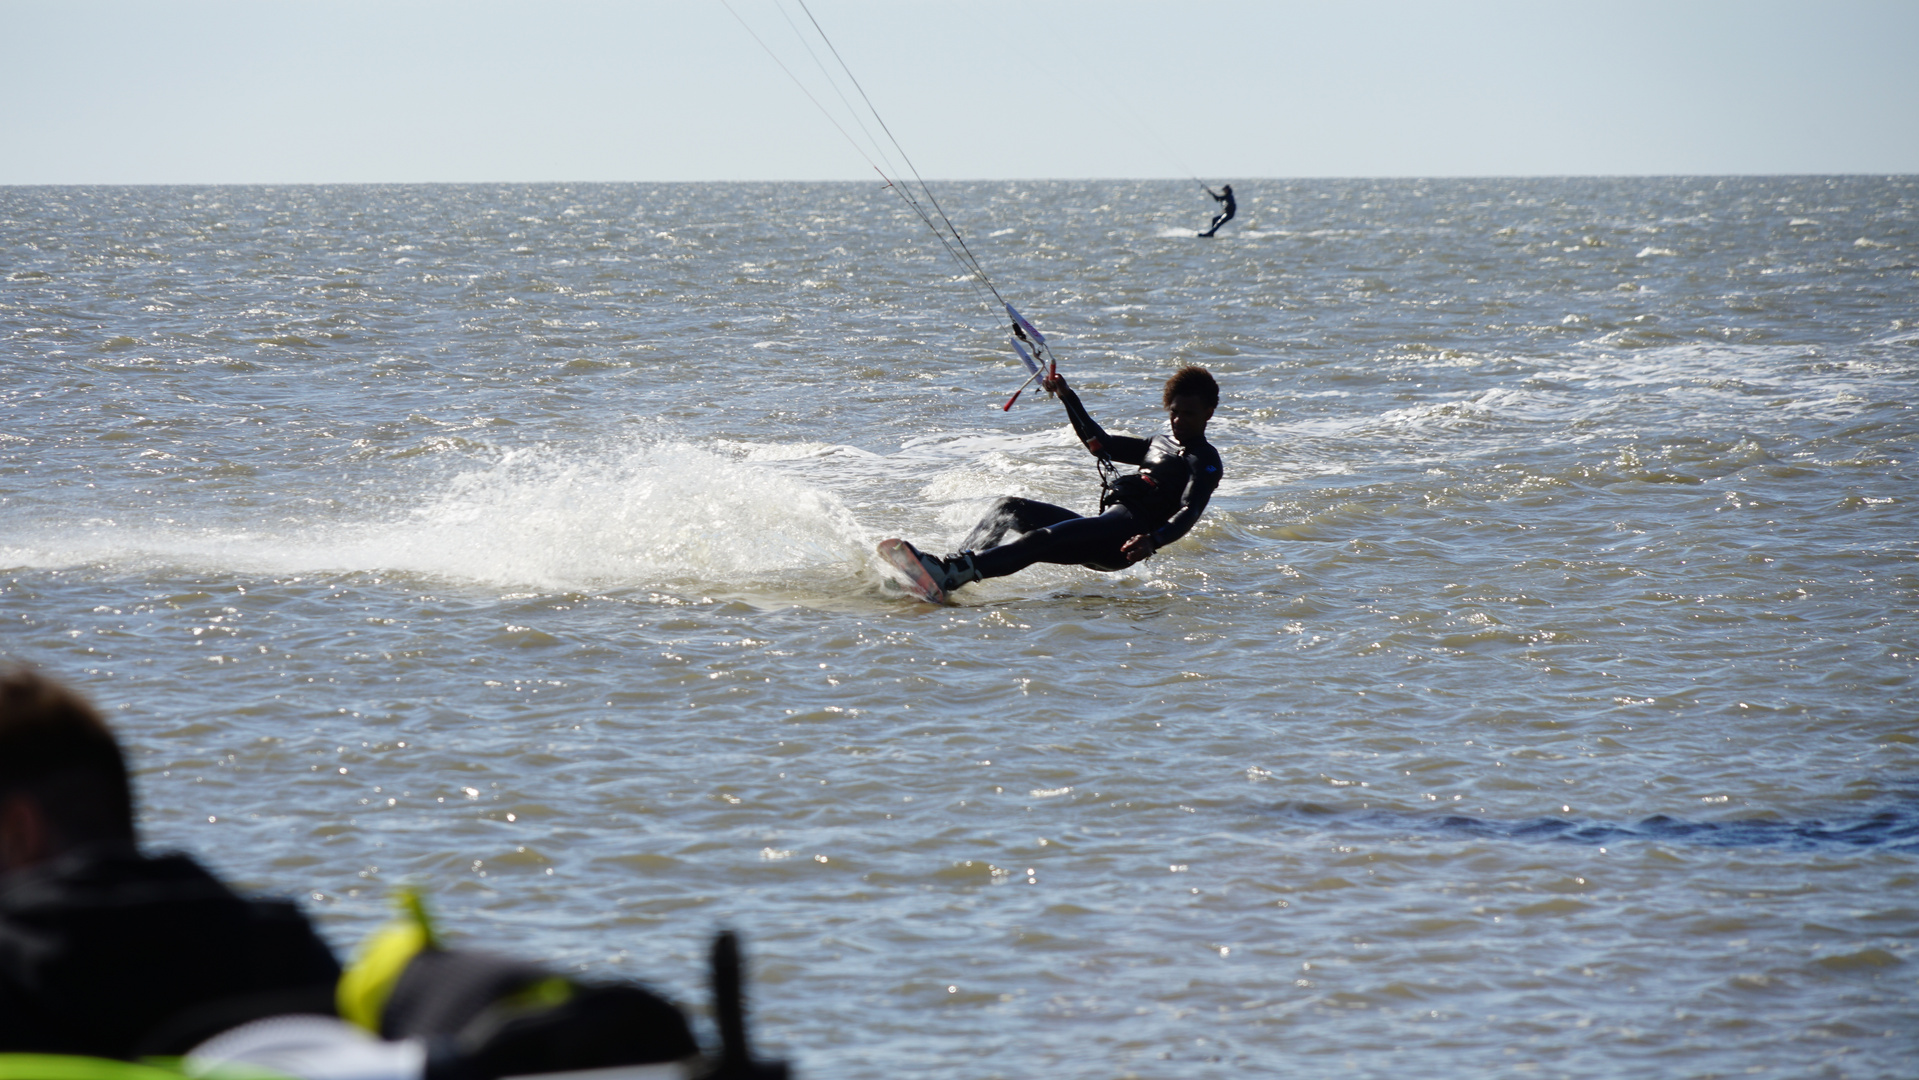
(103,950)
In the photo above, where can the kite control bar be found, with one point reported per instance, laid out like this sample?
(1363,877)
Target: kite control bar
(1025,334)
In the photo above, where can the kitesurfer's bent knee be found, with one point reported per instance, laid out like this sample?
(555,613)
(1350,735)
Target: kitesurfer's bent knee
(1081,541)
(1010,518)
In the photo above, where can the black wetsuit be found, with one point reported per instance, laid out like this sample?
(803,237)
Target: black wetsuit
(1226,214)
(1163,500)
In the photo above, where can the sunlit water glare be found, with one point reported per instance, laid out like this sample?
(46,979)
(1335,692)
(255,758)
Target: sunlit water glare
(1538,696)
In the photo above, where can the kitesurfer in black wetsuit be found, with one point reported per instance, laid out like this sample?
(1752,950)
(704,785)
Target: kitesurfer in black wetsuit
(1223,195)
(1139,513)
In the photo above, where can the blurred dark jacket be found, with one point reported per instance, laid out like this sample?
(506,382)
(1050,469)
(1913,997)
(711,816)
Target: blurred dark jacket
(107,952)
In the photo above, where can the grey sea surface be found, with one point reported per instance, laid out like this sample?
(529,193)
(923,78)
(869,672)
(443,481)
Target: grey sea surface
(1537,697)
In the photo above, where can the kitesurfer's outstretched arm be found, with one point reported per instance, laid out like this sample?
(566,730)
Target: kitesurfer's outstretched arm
(1124,448)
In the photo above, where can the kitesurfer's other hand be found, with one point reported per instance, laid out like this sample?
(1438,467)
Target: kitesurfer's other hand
(1138,548)
(1053,383)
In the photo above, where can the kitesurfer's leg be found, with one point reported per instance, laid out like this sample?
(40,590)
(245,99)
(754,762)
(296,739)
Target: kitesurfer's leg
(1083,541)
(1010,518)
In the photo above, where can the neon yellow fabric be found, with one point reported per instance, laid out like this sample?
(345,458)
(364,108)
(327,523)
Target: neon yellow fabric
(545,994)
(366,985)
(73,1067)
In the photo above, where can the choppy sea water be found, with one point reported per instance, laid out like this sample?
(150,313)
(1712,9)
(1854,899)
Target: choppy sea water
(1537,698)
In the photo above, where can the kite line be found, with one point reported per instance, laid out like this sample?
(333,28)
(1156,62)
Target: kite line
(1028,342)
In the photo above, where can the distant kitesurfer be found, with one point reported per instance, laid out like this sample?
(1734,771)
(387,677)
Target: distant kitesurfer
(1139,513)
(1223,195)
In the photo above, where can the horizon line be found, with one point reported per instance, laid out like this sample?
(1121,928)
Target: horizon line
(969,180)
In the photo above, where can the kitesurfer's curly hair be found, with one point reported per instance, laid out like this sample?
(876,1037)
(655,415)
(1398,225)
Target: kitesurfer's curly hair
(1191,381)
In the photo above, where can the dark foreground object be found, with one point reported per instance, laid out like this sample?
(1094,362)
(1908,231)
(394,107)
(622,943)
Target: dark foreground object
(105,951)
(729,1007)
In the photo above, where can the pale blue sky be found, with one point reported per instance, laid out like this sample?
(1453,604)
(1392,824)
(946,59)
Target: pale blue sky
(118,91)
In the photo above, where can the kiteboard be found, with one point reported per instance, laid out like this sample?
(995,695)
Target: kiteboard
(905,558)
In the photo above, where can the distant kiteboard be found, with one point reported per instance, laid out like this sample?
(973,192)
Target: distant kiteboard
(905,558)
